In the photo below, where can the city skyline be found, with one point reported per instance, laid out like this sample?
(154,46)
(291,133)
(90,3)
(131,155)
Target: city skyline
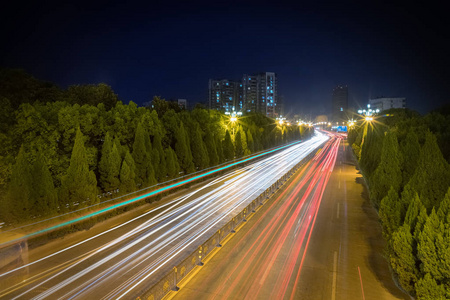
(254,93)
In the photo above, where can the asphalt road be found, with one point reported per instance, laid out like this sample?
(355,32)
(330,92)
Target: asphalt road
(345,257)
(291,249)
(123,258)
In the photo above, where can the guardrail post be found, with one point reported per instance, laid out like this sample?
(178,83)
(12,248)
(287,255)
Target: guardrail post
(175,287)
(245,213)
(200,263)
(253,206)
(218,239)
(232,226)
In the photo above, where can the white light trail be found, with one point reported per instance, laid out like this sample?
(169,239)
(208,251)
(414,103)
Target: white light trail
(165,239)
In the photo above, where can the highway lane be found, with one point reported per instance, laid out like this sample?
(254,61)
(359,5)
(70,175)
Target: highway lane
(346,260)
(122,261)
(343,257)
(265,259)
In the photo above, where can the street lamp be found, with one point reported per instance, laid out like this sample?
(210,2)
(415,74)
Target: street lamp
(233,117)
(368,113)
(280,120)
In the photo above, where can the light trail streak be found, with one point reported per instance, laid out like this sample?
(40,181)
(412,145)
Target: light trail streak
(270,231)
(150,194)
(290,229)
(161,241)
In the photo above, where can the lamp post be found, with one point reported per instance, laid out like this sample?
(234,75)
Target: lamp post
(233,117)
(280,120)
(368,117)
(369,113)
(351,123)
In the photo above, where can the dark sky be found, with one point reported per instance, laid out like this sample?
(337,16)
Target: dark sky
(172,48)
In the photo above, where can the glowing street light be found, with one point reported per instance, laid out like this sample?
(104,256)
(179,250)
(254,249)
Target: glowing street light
(233,117)
(368,113)
(280,120)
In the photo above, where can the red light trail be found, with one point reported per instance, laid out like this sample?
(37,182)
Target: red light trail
(276,257)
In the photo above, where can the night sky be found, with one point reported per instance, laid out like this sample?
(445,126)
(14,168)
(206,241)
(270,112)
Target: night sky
(172,48)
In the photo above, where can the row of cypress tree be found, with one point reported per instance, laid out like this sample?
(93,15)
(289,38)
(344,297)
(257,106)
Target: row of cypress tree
(57,156)
(409,184)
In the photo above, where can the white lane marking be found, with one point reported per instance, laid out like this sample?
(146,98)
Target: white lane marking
(333,287)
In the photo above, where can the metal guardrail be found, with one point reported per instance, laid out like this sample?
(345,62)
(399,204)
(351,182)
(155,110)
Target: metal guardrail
(170,281)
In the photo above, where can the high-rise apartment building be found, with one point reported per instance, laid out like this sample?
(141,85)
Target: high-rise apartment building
(339,104)
(267,94)
(225,95)
(250,92)
(257,93)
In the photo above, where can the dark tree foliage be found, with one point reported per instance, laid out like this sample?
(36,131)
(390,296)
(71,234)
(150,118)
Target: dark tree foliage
(142,151)
(439,123)
(250,142)
(428,289)
(109,165)
(92,94)
(238,148)
(417,224)
(414,208)
(161,106)
(59,144)
(173,168)
(219,150)
(388,173)
(127,174)
(432,175)
(228,147)
(371,151)
(410,147)
(183,150)
(44,197)
(390,213)
(444,208)
(427,252)
(159,158)
(18,206)
(211,147)
(402,259)
(198,148)
(79,185)
(20,87)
